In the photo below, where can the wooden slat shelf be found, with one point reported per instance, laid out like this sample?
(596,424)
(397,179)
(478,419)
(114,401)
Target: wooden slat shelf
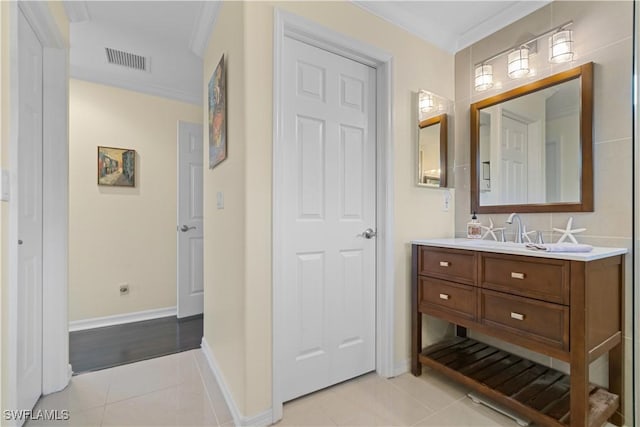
(536,391)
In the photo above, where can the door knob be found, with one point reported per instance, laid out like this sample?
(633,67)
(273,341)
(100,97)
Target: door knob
(185,228)
(369,233)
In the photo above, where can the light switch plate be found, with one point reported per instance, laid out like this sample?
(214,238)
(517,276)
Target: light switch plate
(4,186)
(220,200)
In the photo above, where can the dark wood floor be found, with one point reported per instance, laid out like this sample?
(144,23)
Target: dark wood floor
(100,348)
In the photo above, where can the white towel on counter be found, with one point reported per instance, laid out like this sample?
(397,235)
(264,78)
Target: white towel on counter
(559,247)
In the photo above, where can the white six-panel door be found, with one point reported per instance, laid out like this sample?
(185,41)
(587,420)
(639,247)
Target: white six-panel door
(329,192)
(29,369)
(190,233)
(513,158)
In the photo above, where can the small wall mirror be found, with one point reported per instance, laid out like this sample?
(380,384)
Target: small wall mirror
(432,141)
(432,152)
(531,147)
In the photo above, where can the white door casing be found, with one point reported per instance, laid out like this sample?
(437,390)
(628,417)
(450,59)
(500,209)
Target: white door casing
(190,220)
(329,267)
(29,360)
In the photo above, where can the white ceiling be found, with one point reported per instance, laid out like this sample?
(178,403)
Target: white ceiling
(173,35)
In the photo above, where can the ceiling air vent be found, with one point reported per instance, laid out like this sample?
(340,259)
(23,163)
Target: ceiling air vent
(126,59)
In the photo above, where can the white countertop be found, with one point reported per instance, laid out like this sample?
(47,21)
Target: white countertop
(519,249)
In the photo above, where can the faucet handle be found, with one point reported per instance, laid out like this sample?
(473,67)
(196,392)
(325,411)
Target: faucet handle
(539,240)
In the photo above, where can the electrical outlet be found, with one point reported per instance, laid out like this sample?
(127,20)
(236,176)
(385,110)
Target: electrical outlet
(124,289)
(446,200)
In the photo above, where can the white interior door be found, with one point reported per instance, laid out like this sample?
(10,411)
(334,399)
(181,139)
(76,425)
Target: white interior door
(29,374)
(513,159)
(328,266)
(190,233)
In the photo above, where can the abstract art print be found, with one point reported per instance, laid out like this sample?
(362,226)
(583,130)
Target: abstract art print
(116,167)
(218,115)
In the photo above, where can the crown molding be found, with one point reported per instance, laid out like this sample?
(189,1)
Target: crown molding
(134,85)
(203,27)
(498,21)
(438,34)
(76,10)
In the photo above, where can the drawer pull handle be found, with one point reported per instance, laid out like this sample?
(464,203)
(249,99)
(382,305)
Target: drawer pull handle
(517,316)
(444,296)
(517,275)
(444,263)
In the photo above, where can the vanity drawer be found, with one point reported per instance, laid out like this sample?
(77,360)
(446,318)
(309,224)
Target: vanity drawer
(537,321)
(448,264)
(539,278)
(446,299)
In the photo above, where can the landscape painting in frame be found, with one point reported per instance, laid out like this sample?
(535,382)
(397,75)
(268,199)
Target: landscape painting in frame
(218,115)
(116,167)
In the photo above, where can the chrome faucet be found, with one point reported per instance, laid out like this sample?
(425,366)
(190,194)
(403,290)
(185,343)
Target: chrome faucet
(509,220)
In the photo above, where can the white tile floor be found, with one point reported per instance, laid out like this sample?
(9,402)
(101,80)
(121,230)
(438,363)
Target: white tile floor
(179,390)
(175,390)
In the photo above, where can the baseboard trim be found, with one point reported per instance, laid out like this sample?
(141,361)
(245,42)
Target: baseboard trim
(401,367)
(119,319)
(259,420)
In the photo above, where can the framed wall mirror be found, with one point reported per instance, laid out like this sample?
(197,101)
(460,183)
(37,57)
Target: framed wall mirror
(432,152)
(531,147)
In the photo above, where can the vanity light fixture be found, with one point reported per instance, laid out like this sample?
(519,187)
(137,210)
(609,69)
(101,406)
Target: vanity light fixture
(561,46)
(426,101)
(518,58)
(484,77)
(518,63)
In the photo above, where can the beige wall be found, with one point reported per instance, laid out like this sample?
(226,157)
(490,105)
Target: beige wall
(238,239)
(225,229)
(603,34)
(122,234)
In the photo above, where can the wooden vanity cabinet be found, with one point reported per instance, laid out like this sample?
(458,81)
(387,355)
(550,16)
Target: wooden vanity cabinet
(566,309)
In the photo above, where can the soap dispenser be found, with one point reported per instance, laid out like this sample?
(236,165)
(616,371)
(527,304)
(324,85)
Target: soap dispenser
(474,228)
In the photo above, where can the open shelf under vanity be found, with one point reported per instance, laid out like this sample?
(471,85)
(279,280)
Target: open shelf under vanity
(568,307)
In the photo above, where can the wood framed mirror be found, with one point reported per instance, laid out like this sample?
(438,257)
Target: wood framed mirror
(432,152)
(532,147)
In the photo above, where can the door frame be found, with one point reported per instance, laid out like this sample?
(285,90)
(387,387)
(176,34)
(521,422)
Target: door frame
(287,24)
(56,371)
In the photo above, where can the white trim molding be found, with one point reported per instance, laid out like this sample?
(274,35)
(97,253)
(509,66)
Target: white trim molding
(262,419)
(135,85)
(289,25)
(204,25)
(120,319)
(43,24)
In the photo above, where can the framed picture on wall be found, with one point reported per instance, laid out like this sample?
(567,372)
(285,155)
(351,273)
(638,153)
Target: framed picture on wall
(218,115)
(116,167)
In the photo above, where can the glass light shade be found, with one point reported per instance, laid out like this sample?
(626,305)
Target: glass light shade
(484,77)
(518,63)
(561,46)
(426,102)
